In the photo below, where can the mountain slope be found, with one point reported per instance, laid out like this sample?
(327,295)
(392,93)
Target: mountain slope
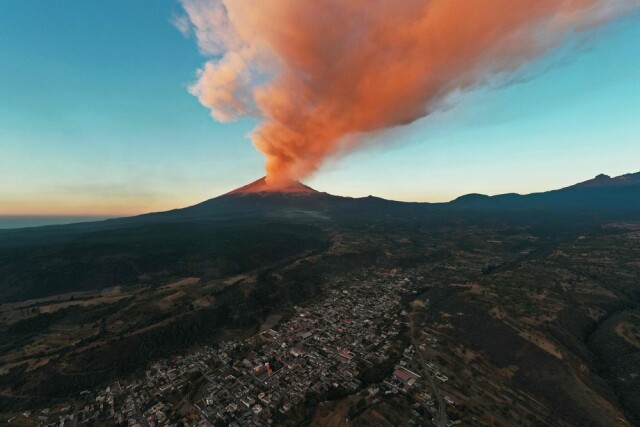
(602,193)
(261,186)
(602,180)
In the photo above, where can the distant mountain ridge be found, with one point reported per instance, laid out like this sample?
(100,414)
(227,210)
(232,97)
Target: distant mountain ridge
(601,193)
(257,199)
(603,180)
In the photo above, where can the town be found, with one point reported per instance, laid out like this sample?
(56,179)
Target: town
(331,348)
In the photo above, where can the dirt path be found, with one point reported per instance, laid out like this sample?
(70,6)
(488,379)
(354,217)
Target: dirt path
(443,419)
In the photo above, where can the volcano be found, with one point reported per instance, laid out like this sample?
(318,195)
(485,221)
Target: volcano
(261,186)
(295,201)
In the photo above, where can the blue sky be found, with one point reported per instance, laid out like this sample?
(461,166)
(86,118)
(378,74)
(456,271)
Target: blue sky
(95,119)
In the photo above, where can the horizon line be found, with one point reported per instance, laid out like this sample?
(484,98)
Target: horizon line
(108,215)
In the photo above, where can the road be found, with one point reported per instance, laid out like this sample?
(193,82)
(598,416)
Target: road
(443,419)
(141,418)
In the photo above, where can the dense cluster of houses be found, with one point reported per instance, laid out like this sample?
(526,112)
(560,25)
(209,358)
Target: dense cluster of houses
(319,350)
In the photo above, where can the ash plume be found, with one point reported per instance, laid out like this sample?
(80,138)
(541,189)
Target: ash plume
(322,74)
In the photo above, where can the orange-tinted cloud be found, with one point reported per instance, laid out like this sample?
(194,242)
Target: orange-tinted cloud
(321,74)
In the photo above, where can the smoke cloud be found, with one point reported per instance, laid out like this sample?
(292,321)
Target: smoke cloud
(321,74)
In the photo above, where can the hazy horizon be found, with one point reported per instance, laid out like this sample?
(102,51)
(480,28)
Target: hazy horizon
(8,222)
(23,221)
